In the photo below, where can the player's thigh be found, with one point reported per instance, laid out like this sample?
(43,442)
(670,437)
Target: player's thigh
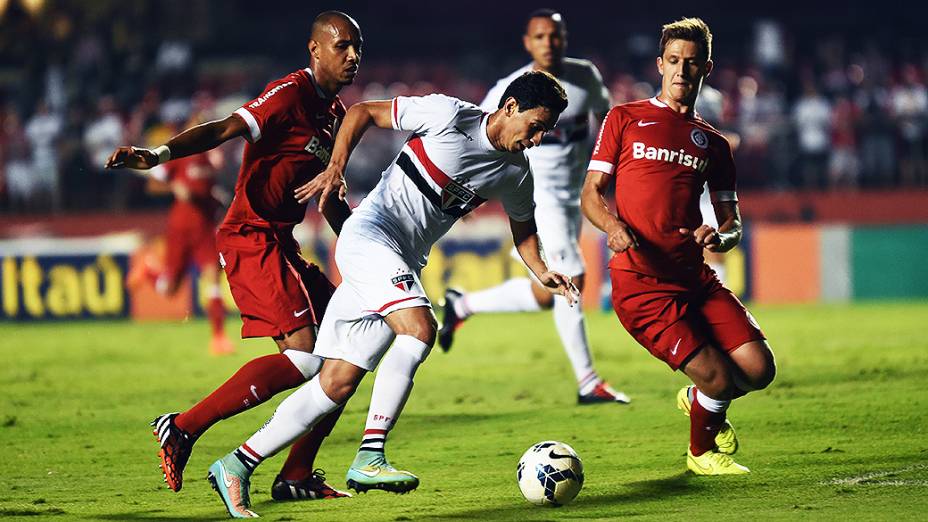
(418,322)
(350,333)
(730,324)
(559,234)
(657,314)
(302,339)
(269,293)
(380,278)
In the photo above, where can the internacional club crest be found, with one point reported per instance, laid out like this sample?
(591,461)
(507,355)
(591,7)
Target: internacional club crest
(699,138)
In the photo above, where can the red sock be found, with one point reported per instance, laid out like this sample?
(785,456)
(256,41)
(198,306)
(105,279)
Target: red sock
(302,457)
(704,426)
(216,312)
(257,381)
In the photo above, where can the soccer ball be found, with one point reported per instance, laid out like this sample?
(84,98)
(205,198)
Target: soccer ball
(550,474)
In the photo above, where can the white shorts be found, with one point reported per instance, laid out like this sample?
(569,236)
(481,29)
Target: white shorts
(559,233)
(375,282)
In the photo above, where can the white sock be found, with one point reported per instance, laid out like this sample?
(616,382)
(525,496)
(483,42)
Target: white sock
(514,295)
(295,416)
(391,389)
(571,328)
(710,404)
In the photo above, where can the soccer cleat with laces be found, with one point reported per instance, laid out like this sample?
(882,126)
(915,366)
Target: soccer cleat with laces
(603,393)
(714,463)
(231,480)
(370,470)
(314,488)
(726,441)
(175,445)
(451,321)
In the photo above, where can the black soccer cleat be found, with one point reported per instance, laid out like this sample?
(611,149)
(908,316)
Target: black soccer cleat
(451,321)
(314,488)
(175,447)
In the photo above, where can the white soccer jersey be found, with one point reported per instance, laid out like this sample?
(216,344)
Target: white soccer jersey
(447,168)
(559,163)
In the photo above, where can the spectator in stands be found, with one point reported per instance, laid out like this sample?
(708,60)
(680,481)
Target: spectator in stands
(42,133)
(812,117)
(910,106)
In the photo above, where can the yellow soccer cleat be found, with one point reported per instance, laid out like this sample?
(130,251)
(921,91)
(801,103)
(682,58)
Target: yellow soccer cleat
(714,463)
(726,440)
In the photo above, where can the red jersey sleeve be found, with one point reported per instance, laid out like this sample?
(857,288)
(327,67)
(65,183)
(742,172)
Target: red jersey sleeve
(608,144)
(271,109)
(721,180)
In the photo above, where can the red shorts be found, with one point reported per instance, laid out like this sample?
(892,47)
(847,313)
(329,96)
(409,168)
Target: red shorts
(190,238)
(672,319)
(275,289)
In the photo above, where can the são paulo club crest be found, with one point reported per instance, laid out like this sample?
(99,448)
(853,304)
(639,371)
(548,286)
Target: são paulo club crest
(699,138)
(403,281)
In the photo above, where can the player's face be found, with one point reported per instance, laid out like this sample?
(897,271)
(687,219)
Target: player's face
(338,51)
(545,41)
(524,130)
(683,67)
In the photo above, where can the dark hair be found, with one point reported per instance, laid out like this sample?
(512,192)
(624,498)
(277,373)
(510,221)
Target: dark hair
(536,89)
(691,30)
(550,14)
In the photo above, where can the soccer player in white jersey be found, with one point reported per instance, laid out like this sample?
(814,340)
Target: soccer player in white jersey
(558,166)
(456,157)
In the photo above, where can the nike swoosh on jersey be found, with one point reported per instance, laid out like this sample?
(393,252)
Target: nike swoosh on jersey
(642,123)
(301,312)
(673,351)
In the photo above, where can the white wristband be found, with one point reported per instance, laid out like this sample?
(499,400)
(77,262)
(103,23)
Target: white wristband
(163,153)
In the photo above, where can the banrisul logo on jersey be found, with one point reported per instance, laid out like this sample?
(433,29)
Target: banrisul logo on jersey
(643,151)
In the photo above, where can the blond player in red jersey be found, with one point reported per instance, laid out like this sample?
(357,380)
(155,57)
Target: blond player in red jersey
(290,130)
(661,153)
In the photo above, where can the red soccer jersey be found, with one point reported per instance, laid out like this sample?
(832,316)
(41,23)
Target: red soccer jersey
(196,175)
(291,130)
(661,159)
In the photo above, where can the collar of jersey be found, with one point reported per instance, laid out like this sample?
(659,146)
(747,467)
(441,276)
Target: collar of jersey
(688,116)
(312,79)
(484,139)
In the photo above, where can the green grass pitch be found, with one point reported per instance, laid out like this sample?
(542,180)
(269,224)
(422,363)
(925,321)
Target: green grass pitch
(841,435)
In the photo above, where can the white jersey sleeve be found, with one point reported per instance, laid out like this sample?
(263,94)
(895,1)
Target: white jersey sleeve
(600,101)
(424,115)
(519,203)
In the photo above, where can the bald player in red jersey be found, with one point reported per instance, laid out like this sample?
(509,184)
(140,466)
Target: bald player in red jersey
(660,153)
(290,129)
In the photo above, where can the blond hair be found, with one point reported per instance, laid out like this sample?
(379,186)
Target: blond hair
(689,29)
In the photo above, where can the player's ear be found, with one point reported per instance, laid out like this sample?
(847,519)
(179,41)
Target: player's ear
(525,43)
(510,106)
(313,47)
(660,65)
(709,65)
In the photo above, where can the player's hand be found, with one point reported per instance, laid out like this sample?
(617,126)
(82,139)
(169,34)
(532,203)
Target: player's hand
(705,236)
(621,238)
(330,182)
(132,158)
(559,284)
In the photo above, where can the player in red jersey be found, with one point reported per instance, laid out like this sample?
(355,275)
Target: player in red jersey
(290,130)
(190,238)
(661,153)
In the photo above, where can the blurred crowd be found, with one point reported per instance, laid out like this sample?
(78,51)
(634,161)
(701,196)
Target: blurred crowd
(76,80)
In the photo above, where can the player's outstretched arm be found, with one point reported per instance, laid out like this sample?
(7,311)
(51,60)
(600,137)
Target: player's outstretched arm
(728,234)
(192,141)
(525,237)
(619,237)
(332,180)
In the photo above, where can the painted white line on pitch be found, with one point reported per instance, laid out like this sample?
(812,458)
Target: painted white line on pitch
(871,478)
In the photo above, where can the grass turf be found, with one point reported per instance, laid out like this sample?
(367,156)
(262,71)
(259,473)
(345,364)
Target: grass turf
(841,434)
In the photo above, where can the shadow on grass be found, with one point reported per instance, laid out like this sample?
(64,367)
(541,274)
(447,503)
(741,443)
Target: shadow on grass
(632,493)
(157,515)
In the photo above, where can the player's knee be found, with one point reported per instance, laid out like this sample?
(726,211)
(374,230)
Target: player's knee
(545,300)
(717,383)
(424,330)
(766,376)
(338,387)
